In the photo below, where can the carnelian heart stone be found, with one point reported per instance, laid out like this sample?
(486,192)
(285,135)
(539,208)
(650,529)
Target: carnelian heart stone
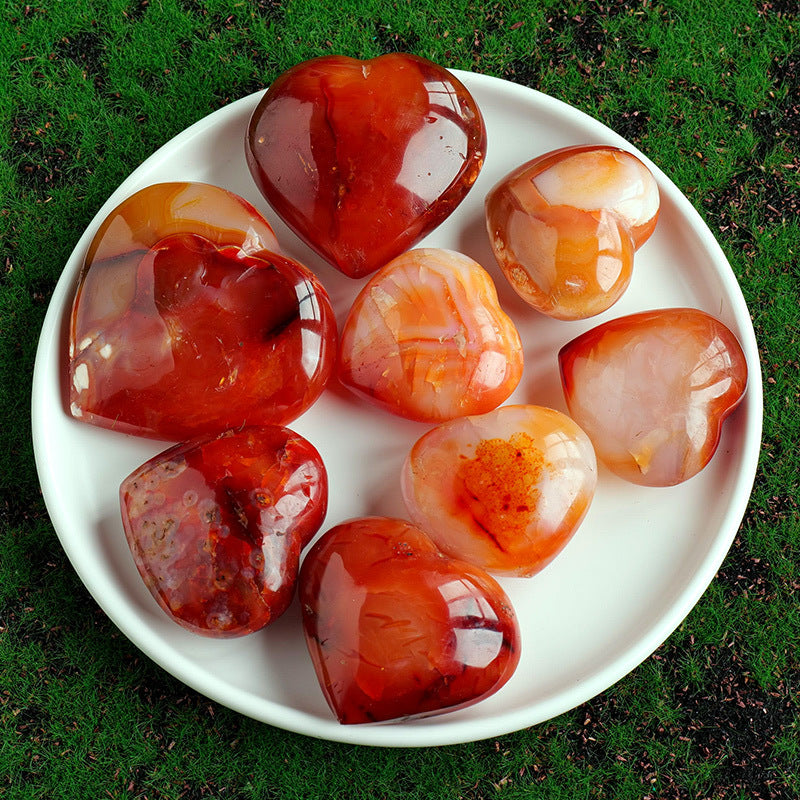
(361,159)
(505,490)
(184,322)
(564,227)
(216,526)
(653,389)
(426,339)
(396,629)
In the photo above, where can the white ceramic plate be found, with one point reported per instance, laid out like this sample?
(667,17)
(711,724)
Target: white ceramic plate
(633,571)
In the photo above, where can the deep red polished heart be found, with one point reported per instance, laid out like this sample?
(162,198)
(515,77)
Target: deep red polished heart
(396,629)
(184,324)
(216,526)
(361,159)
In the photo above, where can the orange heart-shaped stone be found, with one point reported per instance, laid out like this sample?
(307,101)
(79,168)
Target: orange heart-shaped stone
(361,159)
(426,339)
(505,490)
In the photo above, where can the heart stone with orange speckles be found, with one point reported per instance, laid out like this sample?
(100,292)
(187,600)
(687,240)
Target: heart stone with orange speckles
(505,490)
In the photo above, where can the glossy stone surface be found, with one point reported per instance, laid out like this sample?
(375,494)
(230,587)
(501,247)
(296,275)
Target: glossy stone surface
(564,227)
(184,324)
(426,339)
(395,629)
(652,391)
(505,490)
(216,526)
(361,159)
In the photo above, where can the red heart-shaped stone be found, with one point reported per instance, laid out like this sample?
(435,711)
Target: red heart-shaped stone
(361,159)
(216,526)
(395,629)
(184,324)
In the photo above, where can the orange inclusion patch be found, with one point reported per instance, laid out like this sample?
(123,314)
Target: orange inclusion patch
(500,487)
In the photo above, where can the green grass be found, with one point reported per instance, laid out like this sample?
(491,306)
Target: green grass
(88,90)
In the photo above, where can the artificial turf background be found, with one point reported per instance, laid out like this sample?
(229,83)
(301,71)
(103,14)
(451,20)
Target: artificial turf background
(709,91)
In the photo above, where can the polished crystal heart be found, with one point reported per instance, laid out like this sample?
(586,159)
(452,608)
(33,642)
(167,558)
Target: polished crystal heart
(216,526)
(395,629)
(564,227)
(185,323)
(361,159)
(652,391)
(505,490)
(426,339)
